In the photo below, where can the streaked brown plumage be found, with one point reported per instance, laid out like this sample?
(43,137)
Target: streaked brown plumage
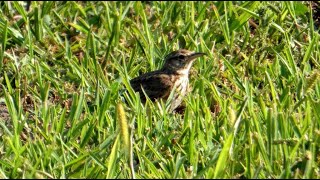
(174,74)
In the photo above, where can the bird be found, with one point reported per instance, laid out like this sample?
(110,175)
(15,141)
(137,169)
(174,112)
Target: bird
(174,75)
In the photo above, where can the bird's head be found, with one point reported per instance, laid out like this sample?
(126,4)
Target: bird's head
(180,61)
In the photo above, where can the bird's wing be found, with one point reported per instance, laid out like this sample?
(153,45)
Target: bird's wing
(155,85)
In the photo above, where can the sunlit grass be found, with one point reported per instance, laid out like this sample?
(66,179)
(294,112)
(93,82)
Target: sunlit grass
(253,110)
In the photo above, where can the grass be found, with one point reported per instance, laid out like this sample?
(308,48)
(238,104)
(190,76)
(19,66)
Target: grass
(253,111)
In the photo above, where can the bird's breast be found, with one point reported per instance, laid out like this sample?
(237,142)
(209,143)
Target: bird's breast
(181,86)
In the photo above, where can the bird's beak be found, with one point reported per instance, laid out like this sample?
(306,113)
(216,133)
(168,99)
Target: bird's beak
(195,55)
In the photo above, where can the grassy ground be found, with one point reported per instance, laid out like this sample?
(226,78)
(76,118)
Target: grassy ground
(253,111)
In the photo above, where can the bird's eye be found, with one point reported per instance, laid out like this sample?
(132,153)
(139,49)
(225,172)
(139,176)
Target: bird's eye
(181,57)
